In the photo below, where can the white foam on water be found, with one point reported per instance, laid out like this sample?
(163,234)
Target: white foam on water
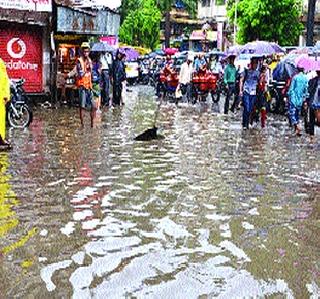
(247,225)
(83,194)
(169,227)
(217,217)
(56,182)
(103,184)
(210,207)
(43,233)
(226,232)
(276,208)
(253,211)
(107,178)
(235,250)
(90,224)
(78,257)
(81,215)
(68,229)
(314,290)
(103,246)
(47,272)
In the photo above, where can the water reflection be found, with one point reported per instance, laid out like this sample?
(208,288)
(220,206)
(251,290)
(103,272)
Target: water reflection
(210,211)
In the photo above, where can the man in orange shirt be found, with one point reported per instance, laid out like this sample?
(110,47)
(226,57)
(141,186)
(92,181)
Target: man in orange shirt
(84,83)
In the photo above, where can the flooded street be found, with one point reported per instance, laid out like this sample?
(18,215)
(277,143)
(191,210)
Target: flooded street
(210,211)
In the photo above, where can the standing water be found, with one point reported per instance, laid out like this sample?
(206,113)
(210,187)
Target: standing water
(209,211)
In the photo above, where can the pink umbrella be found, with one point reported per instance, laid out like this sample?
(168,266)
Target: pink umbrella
(308,63)
(171,51)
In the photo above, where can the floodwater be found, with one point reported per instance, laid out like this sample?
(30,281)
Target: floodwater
(210,211)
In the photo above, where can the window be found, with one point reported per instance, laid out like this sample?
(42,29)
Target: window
(220,2)
(205,3)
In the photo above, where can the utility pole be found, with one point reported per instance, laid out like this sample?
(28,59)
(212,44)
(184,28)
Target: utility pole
(235,22)
(310,22)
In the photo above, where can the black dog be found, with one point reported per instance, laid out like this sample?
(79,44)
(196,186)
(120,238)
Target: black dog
(148,135)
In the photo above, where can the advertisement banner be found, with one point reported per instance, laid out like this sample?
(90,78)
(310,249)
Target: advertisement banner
(31,5)
(21,51)
(110,40)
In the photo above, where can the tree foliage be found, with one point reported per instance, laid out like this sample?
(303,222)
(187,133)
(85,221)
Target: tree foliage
(269,20)
(141,27)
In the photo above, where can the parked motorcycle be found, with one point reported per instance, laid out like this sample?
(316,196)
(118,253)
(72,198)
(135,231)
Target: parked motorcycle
(19,113)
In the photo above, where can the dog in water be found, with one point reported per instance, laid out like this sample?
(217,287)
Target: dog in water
(148,135)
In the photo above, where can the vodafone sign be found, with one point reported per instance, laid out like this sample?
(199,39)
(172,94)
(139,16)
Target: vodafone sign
(21,50)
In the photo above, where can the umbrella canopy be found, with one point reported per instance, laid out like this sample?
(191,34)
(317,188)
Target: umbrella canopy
(130,53)
(284,71)
(308,63)
(234,50)
(258,48)
(171,51)
(102,47)
(277,48)
(217,53)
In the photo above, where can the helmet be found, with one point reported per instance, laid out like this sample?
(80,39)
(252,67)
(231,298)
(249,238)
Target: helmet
(85,45)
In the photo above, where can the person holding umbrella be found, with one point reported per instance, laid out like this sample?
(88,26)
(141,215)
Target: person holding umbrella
(118,76)
(297,93)
(313,104)
(248,90)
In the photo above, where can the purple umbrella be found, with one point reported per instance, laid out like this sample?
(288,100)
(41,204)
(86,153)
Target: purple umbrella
(234,50)
(307,63)
(277,48)
(130,53)
(258,48)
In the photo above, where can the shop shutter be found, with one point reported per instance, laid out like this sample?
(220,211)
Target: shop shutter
(21,50)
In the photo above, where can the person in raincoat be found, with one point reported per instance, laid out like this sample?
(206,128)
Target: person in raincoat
(298,91)
(4,98)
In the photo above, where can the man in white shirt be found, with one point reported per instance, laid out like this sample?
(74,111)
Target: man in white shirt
(106,62)
(185,78)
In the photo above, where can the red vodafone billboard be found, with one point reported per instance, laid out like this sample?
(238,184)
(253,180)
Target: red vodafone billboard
(21,50)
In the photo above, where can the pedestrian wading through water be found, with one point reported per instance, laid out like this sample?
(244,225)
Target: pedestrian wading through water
(151,133)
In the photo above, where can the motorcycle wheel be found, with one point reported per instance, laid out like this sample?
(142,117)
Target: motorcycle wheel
(23,117)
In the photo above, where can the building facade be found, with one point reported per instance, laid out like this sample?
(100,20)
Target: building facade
(25,42)
(302,41)
(214,13)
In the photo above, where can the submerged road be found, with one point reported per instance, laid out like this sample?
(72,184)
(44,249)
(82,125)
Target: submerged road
(210,211)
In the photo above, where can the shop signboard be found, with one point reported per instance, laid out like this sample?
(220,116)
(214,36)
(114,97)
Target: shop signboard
(21,50)
(30,5)
(101,22)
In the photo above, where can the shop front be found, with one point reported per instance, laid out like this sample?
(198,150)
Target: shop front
(25,43)
(74,26)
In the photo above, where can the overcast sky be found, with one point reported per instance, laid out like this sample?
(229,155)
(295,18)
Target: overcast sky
(113,4)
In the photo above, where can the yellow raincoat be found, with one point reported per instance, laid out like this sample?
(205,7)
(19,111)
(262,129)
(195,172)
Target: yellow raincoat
(4,93)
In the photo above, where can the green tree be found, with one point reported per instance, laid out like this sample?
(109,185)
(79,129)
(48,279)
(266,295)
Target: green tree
(166,6)
(128,6)
(141,27)
(268,20)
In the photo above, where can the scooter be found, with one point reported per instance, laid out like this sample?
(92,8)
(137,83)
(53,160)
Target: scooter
(19,113)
